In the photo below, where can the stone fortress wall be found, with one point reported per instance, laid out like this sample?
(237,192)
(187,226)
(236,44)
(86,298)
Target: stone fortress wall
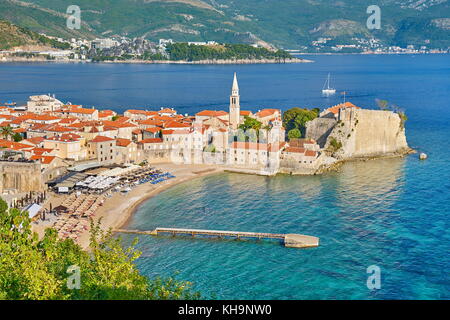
(20,177)
(368,133)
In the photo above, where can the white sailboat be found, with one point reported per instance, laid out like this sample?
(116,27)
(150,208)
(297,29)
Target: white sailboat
(326,90)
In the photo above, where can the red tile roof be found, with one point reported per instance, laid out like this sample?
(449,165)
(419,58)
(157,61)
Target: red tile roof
(57,128)
(211,113)
(176,124)
(13,145)
(295,150)
(68,120)
(151,122)
(153,129)
(310,153)
(267,112)
(167,110)
(163,118)
(122,142)
(118,124)
(82,110)
(152,140)
(40,151)
(34,140)
(106,113)
(335,109)
(101,139)
(66,137)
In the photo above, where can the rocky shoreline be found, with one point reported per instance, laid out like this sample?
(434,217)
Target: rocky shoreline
(334,167)
(200,62)
(220,61)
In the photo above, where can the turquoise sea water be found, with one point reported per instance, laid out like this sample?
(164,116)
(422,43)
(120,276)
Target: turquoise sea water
(393,213)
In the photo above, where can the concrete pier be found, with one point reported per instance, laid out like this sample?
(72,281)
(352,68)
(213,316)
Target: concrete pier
(289,240)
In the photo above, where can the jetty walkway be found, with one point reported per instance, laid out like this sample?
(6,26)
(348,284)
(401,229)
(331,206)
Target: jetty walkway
(289,240)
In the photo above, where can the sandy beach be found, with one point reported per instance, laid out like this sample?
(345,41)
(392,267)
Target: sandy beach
(117,209)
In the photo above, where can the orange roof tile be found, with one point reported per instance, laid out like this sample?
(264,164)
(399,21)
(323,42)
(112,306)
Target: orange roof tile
(13,145)
(211,113)
(151,140)
(82,110)
(295,150)
(267,112)
(106,113)
(43,159)
(310,153)
(335,109)
(176,124)
(34,140)
(167,110)
(66,137)
(57,128)
(118,124)
(122,142)
(40,151)
(101,139)
(151,122)
(153,129)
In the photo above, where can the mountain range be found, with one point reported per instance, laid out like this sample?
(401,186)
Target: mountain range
(288,24)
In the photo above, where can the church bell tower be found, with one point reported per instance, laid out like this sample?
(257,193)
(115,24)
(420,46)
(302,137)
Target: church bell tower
(235,108)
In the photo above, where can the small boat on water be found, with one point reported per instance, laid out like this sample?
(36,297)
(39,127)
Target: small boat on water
(327,90)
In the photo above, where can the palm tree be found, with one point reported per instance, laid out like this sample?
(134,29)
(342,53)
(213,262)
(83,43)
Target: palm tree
(7,131)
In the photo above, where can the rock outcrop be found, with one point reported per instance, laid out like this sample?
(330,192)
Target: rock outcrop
(319,129)
(361,133)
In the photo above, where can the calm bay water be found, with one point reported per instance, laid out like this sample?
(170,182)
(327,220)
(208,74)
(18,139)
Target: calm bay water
(392,213)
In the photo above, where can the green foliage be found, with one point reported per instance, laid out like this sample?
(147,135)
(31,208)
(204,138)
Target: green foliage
(403,119)
(414,30)
(17,137)
(334,144)
(287,24)
(250,129)
(34,269)
(153,56)
(296,118)
(114,118)
(250,123)
(294,134)
(184,51)
(210,148)
(13,36)
(6,131)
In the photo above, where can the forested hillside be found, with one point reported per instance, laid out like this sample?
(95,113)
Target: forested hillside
(285,24)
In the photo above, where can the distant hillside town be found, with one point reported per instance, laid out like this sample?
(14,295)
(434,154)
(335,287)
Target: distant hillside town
(123,49)
(138,49)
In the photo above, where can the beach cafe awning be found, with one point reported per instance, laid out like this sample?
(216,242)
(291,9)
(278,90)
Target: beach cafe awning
(33,209)
(67,181)
(85,166)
